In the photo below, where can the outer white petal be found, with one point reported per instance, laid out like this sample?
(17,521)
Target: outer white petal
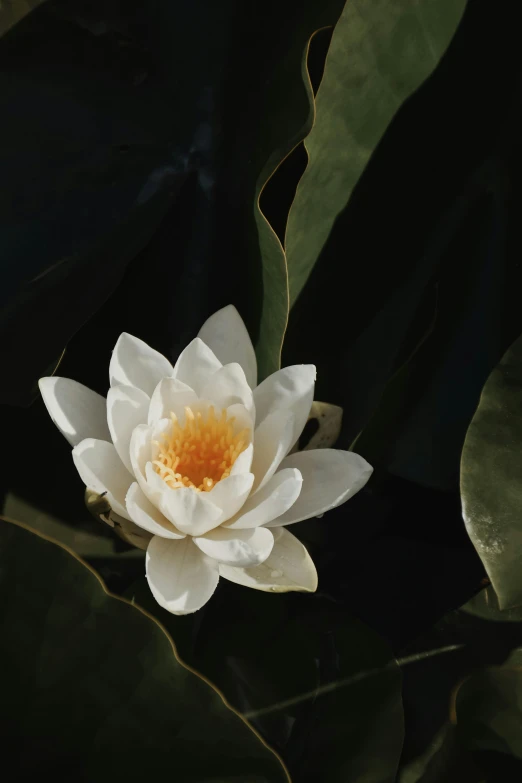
(181,578)
(127,407)
(77,411)
(226,334)
(228,386)
(270,502)
(134,363)
(170,396)
(289,567)
(196,364)
(272,440)
(147,516)
(102,470)
(191,512)
(330,477)
(237,547)
(291,388)
(230,493)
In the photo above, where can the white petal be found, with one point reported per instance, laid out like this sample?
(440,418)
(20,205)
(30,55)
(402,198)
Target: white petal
(272,440)
(291,388)
(226,334)
(243,419)
(102,470)
(140,451)
(230,493)
(77,411)
(147,516)
(191,512)
(289,567)
(134,363)
(240,548)
(127,407)
(270,502)
(196,364)
(330,477)
(161,428)
(228,386)
(243,462)
(181,578)
(170,396)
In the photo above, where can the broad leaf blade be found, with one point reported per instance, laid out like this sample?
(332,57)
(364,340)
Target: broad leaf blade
(491,485)
(488,704)
(322,687)
(92,683)
(290,109)
(380,54)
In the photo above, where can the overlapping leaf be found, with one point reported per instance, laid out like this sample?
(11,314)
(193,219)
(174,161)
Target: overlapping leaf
(491,470)
(320,686)
(92,688)
(379,55)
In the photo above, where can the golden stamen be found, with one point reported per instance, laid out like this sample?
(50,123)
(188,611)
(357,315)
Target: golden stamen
(200,453)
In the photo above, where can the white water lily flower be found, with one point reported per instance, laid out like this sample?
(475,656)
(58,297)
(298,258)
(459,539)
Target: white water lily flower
(198,455)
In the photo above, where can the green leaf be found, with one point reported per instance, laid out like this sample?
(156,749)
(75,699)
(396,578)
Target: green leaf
(485,606)
(491,486)
(290,112)
(445,760)
(380,53)
(488,704)
(13,11)
(323,688)
(93,689)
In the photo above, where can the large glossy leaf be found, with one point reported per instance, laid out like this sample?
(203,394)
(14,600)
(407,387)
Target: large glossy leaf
(92,688)
(290,114)
(321,687)
(490,478)
(380,53)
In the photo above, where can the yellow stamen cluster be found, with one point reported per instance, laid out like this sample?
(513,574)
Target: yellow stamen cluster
(200,453)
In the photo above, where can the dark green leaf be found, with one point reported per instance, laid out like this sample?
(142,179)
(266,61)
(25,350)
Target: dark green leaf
(491,470)
(290,115)
(489,712)
(380,54)
(445,760)
(12,11)
(319,685)
(92,688)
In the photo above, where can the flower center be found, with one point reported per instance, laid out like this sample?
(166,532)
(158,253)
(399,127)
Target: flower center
(200,453)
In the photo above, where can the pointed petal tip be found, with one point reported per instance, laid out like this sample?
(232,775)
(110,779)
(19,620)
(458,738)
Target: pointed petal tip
(77,411)
(226,334)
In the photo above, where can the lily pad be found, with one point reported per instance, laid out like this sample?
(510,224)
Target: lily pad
(93,689)
(321,687)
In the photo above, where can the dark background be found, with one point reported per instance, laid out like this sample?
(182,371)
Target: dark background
(128,148)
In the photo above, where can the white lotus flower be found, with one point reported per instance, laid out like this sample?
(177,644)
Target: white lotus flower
(198,455)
